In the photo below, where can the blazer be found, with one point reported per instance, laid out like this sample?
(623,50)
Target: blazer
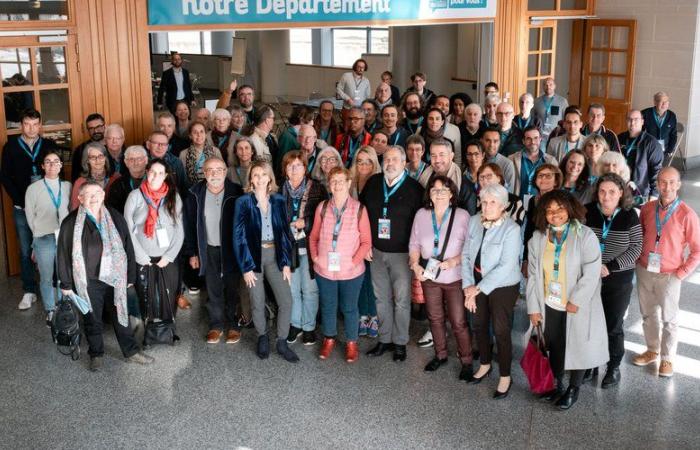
(247,231)
(500,255)
(648,161)
(168,86)
(586,332)
(196,230)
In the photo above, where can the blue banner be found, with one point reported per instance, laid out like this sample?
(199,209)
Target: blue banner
(323,12)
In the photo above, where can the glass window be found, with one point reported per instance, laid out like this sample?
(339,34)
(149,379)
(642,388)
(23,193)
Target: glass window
(50,65)
(348,45)
(300,46)
(55,107)
(15,103)
(379,40)
(185,42)
(34,10)
(15,67)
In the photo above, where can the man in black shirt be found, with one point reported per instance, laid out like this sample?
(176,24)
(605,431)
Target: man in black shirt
(392,199)
(104,239)
(644,155)
(95,125)
(21,166)
(660,122)
(135,158)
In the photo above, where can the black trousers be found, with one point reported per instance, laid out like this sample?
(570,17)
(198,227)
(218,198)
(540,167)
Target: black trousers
(189,277)
(555,338)
(496,308)
(615,292)
(102,298)
(222,292)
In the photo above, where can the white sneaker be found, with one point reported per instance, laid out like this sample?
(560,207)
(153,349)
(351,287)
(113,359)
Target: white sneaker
(27,301)
(426,340)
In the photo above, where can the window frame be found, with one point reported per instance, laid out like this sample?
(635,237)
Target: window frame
(368,41)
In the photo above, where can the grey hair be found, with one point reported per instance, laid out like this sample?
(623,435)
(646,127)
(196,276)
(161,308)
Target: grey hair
(492,97)
(400,149)
(135,149)
(317,173)
(659,95)
(474,106)
(84,162)
(527,94)
(221,112)
(616,158)
(441,142)
(114,127)
(497,191)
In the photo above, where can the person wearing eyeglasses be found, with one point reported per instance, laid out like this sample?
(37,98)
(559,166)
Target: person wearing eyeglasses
(435,257)
(194,157)
(157,146)
(46,205)
(302,195)
(354,137)
(327,159)
(563,293)
(135,159)
(95,126)
(208,245)
(96,167)
(114,143)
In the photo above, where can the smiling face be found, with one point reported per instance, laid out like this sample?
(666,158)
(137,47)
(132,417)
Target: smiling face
(198,135)
(435,121)
(443,104)
(669,183)
(556,214)
(114,141)
(215,173)
(182,112)
(491,140)
(328,161)
(340,185)
(52,165)
(593,151)
(259,178)
(414,152)
(96,160)
(458,107)
(473,117)
(491,208)
(379,143)
(575,165)
(295,171)
(166,125)
(393,163)
(221,123)
(364,164)
(488,177)
(609,195)
(92,197)
(157,145)
(136,163)
(474,157)
(440,158)
(156,176)
(390,117)
(545,180)
(440,195)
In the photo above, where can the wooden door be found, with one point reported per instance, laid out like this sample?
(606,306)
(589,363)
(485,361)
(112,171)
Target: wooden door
(541,53)
(608,68)
(36,72)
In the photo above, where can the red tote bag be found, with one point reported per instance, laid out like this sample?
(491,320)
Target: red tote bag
(535,364)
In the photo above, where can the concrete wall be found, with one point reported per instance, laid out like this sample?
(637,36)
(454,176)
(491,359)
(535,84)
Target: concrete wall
(667,57)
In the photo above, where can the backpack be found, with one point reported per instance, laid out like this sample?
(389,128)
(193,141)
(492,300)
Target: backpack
(65,328)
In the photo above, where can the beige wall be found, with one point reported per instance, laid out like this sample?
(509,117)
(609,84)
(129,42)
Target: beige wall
(667,57)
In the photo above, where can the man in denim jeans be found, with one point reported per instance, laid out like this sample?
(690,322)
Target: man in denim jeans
(21,166)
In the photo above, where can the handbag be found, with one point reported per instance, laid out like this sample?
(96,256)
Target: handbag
(161,331)
(424,261)
(535,364)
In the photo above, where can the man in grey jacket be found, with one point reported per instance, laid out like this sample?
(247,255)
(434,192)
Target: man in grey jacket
(549,107)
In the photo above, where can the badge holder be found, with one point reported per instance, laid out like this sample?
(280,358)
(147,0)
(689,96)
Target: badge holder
(333,262)
(384,231)
(162,237)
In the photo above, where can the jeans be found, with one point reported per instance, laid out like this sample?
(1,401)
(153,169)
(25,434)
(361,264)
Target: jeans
(24,234)
(367,303)
(45,253)
(304,297)
(343,294)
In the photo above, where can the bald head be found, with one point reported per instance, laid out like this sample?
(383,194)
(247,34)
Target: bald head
(306,138)
(504,116)
(635,122)
(668,183)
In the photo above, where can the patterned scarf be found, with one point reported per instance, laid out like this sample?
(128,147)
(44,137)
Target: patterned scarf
(194,163)
(488,224)
(113,265)
(153,200)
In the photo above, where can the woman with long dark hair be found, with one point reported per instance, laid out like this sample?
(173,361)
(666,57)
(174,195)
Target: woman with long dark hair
(576,175)
(433,128)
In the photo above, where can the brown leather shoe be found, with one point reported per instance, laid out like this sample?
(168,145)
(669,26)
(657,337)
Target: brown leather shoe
(214,336)
(233,336)
(183,303)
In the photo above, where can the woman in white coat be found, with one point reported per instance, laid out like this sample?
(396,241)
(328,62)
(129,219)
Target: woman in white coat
(563,292)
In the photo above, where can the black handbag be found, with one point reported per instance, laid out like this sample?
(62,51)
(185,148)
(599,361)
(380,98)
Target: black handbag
(160,333)
(423,262)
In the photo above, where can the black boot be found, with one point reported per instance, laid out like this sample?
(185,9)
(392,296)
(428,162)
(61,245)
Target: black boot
(555,393)
(399,352)
(568,399)
(611,378)
(467,373)
(263,347)
(380,349)
(589,374)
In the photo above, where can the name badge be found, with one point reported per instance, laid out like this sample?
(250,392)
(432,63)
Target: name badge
(162,238)
(555,294)
(298,234)
(654,265)
(333,262)
(431,269)
(384,231)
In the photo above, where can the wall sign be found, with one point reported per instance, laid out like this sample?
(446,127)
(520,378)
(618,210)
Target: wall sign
(277,13)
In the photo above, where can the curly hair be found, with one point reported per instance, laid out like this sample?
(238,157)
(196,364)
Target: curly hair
(574,209)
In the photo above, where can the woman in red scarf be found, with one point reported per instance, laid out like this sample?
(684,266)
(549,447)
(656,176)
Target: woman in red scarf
(154,216)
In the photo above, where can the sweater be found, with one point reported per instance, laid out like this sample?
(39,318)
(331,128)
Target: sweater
(623,244)
(354,241)
(18,168)
(549,117)
(349,89)
(39,207)
(401,209)
(681,232)
(135,213)
(667,133)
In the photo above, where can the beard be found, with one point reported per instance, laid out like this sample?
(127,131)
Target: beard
(413,114)
(97,137)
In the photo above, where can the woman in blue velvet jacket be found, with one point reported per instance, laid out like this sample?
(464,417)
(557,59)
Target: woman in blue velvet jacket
(262,246)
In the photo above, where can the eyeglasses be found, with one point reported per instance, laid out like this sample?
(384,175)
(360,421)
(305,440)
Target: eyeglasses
(215,171)
(52,163)
(486,176)
(473,154)
(135,159)
(294,167)
(327,159)
(98,127)
(159,144)
(96,158)
(545,175)
(440,191)
(337,182)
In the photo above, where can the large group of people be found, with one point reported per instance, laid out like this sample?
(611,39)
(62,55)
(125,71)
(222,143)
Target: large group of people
(424,204)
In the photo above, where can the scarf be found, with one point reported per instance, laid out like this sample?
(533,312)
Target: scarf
(194,164)
(297,195)
(488,224)
(113,265)
(153,200)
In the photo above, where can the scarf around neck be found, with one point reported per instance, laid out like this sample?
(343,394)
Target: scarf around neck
(194,163)
(153,200)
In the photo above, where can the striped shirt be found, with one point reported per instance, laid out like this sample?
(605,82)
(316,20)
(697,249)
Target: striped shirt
(623,244)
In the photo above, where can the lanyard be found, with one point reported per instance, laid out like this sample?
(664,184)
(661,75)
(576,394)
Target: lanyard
(32,154)
(222,141)
(94,221)
(607,224)
(296,203)
(436,229)
(410,128)
(659,120)
(324,134)
(548,105)
(396,135)
(557,249)
(150,203)
(504,135)
(55,200)
(357,82)
(660,223)
(353,145)
(520,123)
(630,147)
(418,172)
(200,162)
(338,223)
(388,193)
(312,162)
(527,172)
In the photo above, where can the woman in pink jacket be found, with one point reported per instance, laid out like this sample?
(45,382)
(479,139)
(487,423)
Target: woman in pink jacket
(339,242)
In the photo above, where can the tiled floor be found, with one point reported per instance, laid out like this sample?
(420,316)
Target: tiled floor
(221,396)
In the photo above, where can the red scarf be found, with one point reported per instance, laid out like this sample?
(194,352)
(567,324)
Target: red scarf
(153,199)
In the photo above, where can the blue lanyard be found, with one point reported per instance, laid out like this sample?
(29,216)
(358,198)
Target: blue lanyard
(520,123)
(353,145)
(222,141)
(338,223)
(410,128)
(436,229)
(312,163)
(592,179)
(324,134)
(296,202)
(56,200)
(397,135)
(527,172)
(131,183)
(418,172)
(150,203)
(630,147)
(94,221)
(659,123)
(660,223)
(32,153)
(607,224)
(388,193)
(548,105)
(557,249)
